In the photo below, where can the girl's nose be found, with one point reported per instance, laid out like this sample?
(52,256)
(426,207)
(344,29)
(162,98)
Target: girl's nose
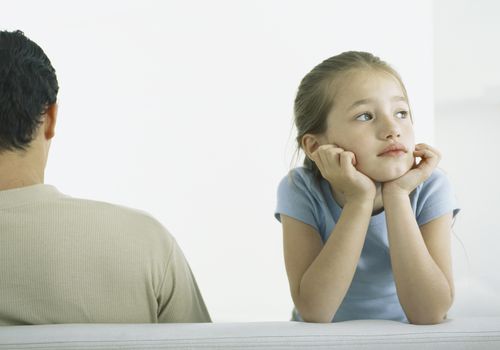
(393,133)
(390,129)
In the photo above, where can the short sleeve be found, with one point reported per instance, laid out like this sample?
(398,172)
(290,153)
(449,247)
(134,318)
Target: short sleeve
(180,299)
(435,198)
(295,199)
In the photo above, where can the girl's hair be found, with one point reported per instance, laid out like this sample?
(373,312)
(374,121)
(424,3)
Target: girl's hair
(314,98)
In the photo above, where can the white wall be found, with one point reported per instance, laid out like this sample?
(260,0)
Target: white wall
(467,86)
(184,109)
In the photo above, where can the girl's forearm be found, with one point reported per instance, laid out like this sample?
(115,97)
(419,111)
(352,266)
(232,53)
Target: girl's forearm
(325,283)
(423,290)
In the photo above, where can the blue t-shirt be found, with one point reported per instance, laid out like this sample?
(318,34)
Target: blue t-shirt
(372,293)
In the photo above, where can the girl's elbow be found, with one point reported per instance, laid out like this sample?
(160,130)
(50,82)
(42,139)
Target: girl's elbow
(427,319)
(317,319)
(430,316)
(314,314)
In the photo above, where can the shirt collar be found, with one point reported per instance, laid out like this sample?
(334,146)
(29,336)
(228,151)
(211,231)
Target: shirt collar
(22,195)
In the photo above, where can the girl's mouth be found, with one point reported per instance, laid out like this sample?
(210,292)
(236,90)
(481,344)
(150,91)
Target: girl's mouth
(397,153)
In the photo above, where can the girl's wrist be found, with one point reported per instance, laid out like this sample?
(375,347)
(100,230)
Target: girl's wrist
(361,199)
(359,205)
(393,191)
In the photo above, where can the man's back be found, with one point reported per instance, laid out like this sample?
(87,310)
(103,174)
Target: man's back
(67,260)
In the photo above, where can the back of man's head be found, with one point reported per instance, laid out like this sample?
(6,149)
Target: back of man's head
(28,86)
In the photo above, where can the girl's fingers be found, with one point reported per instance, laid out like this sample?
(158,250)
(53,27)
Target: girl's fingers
(424,146)
(429,160)
(327,152)
(427,154)
(314,156)
(329,147)
(330,157)
(321,159)
(327,158)
(424,154)
(347,160)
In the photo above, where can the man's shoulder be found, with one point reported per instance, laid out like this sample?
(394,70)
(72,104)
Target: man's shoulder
(126,219)
(102,205)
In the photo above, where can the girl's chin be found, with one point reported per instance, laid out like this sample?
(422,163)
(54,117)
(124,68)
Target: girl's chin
(385,175)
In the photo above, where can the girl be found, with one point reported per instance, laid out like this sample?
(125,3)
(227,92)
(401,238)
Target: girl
(366,229)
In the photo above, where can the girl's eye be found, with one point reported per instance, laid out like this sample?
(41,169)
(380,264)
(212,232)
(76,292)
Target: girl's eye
(364,116)
(402,114)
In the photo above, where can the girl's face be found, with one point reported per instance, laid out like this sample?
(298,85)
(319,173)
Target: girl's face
(370,112)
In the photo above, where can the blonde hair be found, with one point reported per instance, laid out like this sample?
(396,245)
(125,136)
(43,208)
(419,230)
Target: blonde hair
(314,98)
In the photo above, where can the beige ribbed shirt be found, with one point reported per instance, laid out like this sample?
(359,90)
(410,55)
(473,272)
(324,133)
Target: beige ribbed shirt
(68,260)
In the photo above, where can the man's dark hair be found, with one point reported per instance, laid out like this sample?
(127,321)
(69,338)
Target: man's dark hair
(28,85)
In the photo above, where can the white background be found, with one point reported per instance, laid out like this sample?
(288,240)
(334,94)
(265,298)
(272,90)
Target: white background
(467,96)
(184,110)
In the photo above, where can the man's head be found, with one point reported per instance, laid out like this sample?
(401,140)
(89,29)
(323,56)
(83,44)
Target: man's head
(28,91)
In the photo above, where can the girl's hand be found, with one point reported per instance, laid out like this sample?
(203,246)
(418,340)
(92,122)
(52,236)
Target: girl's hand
(418,173)
(337,167)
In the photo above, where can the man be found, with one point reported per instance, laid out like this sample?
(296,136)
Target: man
(68,260)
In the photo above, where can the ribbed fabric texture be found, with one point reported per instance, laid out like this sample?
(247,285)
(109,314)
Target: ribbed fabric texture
(68,260)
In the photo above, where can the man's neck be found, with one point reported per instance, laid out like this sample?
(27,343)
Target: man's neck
(20,169)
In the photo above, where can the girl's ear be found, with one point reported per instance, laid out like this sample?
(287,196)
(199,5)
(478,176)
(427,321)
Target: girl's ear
(310,143)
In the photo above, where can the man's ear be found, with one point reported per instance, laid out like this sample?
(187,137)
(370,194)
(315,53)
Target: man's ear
(310,143)
(50,121)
